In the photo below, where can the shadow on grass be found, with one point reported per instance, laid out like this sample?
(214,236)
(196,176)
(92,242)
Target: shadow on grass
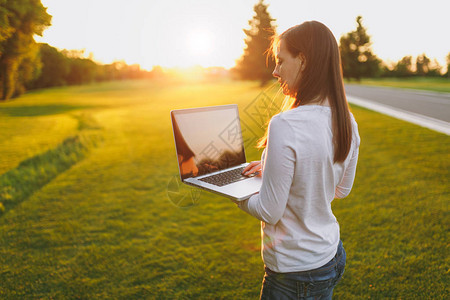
(39,110)
(31,174)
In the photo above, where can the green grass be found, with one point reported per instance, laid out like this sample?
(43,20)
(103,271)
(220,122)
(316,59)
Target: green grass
(441,85)
(33,173)
(106,228)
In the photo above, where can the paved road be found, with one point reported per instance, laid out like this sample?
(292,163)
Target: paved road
(433,105)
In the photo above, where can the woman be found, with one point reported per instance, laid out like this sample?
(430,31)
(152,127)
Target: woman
(310,156)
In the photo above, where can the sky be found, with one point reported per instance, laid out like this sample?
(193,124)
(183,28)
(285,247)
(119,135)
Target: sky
(184,33)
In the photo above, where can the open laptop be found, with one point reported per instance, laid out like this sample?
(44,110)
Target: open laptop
(210,151)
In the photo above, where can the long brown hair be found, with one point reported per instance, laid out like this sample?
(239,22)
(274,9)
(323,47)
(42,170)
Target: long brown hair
(321,79)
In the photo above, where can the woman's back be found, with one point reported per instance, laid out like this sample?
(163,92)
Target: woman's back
(300,231)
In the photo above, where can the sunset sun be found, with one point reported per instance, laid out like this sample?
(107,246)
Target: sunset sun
(199,42)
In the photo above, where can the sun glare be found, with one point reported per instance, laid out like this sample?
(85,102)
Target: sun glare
(199,42)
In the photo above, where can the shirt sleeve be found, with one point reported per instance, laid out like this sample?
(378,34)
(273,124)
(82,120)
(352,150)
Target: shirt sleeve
(343,189)
(278,171)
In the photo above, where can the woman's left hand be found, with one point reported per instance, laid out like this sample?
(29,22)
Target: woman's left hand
(253,169)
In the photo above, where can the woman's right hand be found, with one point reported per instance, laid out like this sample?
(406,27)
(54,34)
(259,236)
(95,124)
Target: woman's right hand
(253,169)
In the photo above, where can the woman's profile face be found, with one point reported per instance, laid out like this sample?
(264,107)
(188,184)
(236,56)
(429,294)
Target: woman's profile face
(288,69)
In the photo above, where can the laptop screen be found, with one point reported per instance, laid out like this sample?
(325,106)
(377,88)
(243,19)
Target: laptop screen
(207,139)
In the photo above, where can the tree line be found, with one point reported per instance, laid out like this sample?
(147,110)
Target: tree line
(25,64)
(358,59)
(51,67)
(70,67)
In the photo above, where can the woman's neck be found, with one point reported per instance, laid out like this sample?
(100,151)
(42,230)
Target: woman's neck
(321,102)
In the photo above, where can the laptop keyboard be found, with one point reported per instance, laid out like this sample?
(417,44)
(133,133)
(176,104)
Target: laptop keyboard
(225,178)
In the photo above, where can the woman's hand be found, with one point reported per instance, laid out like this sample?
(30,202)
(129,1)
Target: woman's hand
(253,169)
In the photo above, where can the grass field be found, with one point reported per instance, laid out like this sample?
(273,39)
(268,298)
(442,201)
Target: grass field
(441,85)
(87,176)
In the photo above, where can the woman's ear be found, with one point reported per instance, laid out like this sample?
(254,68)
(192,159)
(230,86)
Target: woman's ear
(302,59)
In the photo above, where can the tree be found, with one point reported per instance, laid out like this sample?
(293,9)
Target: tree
(403,68)
(55,68)
(5,27)
(448,65)
(82,70)
(29,69)
(356,54)
(23,19)
(254,63)
(422,65)
(435,69)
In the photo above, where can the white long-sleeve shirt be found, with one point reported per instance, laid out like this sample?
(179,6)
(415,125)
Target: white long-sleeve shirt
(299,231)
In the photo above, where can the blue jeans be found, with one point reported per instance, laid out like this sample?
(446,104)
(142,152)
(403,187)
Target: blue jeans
(312,284)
